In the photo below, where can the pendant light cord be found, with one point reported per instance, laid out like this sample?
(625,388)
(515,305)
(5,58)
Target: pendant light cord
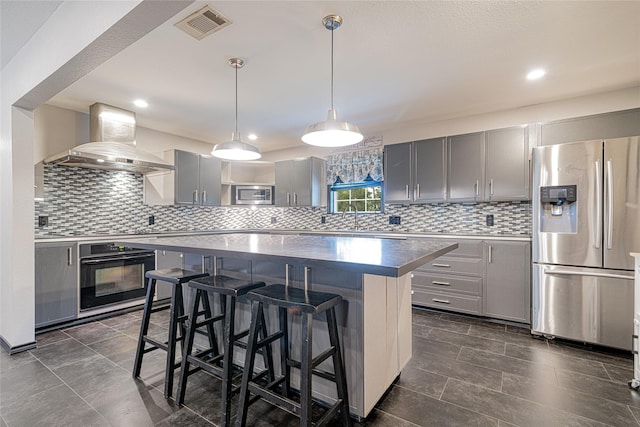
(236,67)
(332,25)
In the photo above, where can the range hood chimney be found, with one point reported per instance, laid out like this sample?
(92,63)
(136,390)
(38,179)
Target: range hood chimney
(113,134)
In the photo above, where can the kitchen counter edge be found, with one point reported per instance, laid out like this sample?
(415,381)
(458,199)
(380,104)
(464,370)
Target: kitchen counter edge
(346,233)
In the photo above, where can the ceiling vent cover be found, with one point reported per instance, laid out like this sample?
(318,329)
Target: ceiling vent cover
(203,22)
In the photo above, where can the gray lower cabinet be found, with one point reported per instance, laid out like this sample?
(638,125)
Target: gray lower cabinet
(300,182)
(507,291)
(466,167)
(489,278)
(56,283)
(453,281)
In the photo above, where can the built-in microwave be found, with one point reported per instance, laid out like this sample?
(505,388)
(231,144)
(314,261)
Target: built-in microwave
(252,194)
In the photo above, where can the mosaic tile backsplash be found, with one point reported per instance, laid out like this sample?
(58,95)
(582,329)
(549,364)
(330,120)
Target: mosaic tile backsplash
(81,201)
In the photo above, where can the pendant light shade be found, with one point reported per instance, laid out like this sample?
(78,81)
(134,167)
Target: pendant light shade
(332,133)
(236,149)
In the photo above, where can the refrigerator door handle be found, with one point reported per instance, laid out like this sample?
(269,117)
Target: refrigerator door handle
(609,204)
(588,273)
(598,237)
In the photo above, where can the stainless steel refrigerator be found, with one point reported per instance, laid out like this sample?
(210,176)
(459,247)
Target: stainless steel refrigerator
(586,221)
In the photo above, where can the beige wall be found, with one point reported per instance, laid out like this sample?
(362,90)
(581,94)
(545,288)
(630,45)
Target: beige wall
(575,107)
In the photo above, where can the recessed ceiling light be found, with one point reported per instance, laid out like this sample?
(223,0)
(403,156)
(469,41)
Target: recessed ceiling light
(141,103)
(252,136)
(536,74)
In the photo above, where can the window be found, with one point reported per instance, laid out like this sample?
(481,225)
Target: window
(363,196)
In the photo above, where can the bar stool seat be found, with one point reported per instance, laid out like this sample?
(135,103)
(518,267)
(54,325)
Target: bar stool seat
(176,277)
(292,301)
(219,365)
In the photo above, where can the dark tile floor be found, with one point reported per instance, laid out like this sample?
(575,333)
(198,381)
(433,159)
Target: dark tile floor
(464,371)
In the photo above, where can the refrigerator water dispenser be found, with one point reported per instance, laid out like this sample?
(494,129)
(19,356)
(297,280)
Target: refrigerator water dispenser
(558,209)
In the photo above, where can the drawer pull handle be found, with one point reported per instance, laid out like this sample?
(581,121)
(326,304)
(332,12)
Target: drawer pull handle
(437,264)
(440,301)
(435,282)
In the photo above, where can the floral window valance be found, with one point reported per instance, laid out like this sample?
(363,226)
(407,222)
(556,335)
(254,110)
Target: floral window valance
(362,162)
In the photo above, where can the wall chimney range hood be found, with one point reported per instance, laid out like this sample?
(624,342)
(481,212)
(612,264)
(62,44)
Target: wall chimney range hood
(113,134)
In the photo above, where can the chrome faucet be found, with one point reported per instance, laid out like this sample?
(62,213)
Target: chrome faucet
(344,211)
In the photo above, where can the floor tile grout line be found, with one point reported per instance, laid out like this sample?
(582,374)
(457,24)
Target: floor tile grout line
(543,406)
(396,417)
(465,408)
(71,388)
(633,414)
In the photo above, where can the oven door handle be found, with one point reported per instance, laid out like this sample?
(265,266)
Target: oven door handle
(122,258)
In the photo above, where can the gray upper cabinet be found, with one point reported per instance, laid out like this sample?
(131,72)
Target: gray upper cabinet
(466,167)
(507,293)
(430,176)
(507,166)
(300,182)
(415,171)
(198,179)
(397,173)
(56,283)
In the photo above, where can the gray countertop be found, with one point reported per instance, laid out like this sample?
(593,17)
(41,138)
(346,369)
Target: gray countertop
(349,233)
(380,256)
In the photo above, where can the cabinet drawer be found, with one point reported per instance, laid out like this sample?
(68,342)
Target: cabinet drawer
(446,265)
(470,248)
(441,283)
(445,301)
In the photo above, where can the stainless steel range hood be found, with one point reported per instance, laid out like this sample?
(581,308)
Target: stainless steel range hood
(113,131)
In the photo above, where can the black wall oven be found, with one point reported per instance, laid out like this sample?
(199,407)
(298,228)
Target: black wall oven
(112,274)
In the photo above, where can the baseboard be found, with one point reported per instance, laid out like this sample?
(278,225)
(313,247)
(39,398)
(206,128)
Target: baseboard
(17,349)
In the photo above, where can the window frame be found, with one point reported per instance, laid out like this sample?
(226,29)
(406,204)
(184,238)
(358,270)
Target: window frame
(332,191)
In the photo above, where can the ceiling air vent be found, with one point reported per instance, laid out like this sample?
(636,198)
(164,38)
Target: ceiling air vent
(203,22)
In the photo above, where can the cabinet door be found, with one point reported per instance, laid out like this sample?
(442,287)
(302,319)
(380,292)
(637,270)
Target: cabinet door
(507,293)
(301,184)
(210,180)
(430,183)
(283,196)
(466,167)
(56,283)
(507,164)
(186,178)
(397,173)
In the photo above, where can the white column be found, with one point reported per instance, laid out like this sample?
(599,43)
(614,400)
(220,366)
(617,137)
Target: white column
(77,38)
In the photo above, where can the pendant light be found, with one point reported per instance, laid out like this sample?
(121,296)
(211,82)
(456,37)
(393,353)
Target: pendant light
(236,149)
(332,133)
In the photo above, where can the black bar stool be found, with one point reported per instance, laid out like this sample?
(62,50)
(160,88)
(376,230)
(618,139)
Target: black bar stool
(176,277)
(307,303)
(229,290)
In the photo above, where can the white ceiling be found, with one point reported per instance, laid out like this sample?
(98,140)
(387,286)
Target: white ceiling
(396,62)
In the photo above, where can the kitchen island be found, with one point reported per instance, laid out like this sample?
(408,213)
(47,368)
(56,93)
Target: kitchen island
(371,274)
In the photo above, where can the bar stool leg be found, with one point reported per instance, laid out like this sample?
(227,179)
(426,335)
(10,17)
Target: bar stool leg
(306,370)
(144,327)
(284,351)
(338,366)
(243,401)
(208,312)
(175,313)
(187,349)
(227,373)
